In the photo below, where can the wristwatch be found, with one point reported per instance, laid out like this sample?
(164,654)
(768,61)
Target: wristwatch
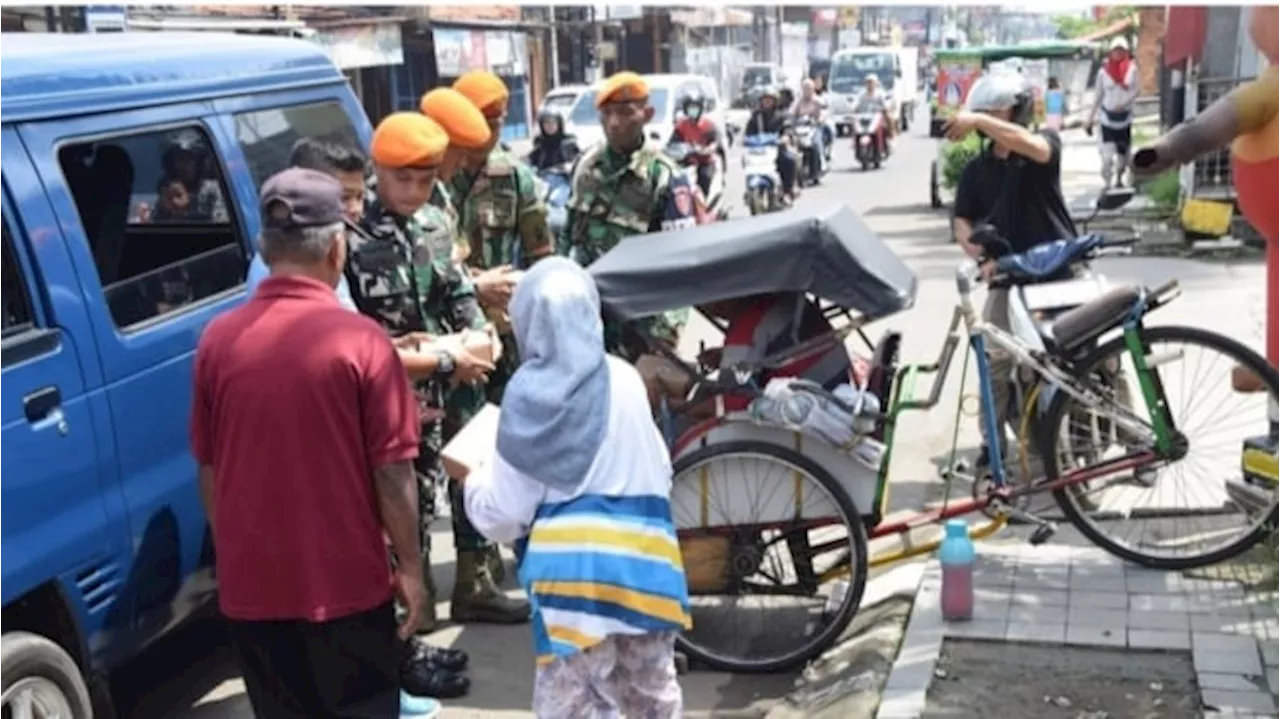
(446,363)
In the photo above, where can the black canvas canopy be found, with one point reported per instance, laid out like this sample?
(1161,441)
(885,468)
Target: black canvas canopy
(829,253)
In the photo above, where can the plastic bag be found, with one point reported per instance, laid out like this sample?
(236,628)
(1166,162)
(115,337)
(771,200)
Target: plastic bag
(803,406)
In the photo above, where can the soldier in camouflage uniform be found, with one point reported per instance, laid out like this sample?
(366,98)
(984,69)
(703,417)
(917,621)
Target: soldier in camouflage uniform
(476,596)
(503,219)
(625,187)
(396,278)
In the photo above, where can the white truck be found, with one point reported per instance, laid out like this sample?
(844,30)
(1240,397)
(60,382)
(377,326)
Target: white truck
(896,68)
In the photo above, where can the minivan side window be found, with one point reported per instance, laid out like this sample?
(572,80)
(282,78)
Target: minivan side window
(18,317)
(267,136)
(153,206)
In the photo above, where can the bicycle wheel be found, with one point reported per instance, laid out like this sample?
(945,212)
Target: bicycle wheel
(765,533)
(1227,513)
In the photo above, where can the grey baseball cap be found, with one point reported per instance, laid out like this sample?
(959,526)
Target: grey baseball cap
(299,197)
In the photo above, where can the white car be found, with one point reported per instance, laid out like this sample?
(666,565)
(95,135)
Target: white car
(560,99)
(664,90)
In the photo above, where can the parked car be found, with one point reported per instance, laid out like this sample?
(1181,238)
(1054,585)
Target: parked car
(664,93)
(105,544)
(560,99)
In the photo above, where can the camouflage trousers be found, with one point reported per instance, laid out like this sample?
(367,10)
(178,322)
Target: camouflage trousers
(506,366)
(463,404)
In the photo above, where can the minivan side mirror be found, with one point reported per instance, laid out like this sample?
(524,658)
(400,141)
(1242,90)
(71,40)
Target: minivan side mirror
(1115,198)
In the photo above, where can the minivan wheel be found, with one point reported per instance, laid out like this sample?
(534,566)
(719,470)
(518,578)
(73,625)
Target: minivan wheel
(40,680)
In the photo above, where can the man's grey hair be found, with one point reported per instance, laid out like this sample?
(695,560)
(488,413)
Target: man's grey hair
(304,245)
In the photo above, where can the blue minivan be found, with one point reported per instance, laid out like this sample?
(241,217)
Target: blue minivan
(130,164)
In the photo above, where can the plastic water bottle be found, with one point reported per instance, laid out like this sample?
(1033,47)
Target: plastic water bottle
(957,557)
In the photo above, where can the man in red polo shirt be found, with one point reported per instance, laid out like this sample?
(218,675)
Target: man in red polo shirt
(305,431)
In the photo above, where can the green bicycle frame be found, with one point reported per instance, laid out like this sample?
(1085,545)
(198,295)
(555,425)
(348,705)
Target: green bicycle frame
(1152,389)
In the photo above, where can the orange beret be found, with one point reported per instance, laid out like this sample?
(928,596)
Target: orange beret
(407,139)
(460,119)
(484,89)
(622,87)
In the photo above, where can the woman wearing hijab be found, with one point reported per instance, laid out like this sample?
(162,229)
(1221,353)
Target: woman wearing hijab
(581,483)
(1117,86)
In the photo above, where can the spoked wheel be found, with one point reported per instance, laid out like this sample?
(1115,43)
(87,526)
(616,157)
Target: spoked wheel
(1188,510)
(775,553)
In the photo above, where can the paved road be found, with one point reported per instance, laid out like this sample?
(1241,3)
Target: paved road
(192,675)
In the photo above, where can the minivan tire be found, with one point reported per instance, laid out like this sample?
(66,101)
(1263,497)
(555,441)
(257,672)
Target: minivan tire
(28,656)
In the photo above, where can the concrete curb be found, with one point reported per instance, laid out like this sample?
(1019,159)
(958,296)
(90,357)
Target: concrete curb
(845,682)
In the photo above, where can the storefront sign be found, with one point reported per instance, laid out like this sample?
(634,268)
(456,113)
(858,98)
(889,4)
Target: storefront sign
(450,46)
(104,18)
(362,45)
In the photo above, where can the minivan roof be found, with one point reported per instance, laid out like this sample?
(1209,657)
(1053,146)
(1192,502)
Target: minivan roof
(56,74)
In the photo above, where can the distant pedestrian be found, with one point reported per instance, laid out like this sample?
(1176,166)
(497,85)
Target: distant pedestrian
(1117,86)
(582,480)
(1055,105)
(305,431)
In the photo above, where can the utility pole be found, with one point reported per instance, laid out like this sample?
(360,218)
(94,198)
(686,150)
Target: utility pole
(554,48)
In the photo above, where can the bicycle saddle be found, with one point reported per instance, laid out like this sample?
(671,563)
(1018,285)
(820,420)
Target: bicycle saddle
(1044,261)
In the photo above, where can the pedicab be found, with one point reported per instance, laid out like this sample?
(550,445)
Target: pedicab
(957,70)
(774,512)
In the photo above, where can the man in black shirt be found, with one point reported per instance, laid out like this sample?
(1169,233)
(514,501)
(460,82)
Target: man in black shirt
(1014,186)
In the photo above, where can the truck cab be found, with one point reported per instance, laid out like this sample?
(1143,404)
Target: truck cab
(130,168)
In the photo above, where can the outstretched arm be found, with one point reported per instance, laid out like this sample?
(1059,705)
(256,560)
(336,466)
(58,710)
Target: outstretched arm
(1018,139)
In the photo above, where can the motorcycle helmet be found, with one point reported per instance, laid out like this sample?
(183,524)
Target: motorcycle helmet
(550,116)
(693,105)
(1002,91)
(768,91)
(785,98)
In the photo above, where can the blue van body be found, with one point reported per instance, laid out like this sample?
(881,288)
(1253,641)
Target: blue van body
(105,544)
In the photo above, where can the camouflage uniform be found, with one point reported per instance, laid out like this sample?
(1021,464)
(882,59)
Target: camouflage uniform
(614,197)
(396,279)
(503,222)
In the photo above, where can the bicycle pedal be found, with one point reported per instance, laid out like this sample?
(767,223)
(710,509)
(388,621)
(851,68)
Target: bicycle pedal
(1042,534)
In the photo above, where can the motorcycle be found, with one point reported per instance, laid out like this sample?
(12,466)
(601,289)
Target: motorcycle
(760,165)
(711,205)
(556,180)
(805,130)
(869,139)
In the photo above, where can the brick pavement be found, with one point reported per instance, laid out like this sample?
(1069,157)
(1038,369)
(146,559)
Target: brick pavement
(1082,596)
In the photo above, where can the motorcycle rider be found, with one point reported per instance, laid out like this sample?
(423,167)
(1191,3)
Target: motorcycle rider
(769,119)
(701,133)
(1014,186)
(873,99)
(811,107)
(553,146)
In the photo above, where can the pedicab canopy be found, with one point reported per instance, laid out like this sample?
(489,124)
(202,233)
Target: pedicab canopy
(829,253)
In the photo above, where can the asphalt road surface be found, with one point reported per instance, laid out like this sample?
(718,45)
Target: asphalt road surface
(192,674)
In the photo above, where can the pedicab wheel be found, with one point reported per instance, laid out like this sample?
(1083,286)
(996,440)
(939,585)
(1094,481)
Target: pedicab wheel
(935,193)
(1208,457)
(730,561)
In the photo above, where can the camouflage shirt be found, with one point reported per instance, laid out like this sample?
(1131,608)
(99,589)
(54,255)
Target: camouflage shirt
(396,279)
(502,217)
(614,197)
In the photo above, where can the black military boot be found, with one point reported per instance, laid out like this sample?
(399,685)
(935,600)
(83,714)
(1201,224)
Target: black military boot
(477,598)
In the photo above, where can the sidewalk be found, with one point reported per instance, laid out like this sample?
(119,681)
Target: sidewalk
(1050,599)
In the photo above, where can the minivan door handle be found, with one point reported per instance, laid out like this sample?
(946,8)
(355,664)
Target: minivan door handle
(42,404)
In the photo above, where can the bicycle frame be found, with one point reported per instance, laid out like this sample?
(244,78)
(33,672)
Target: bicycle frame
(979,333)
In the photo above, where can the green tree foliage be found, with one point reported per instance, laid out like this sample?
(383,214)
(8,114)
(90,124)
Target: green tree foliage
(1073,26)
